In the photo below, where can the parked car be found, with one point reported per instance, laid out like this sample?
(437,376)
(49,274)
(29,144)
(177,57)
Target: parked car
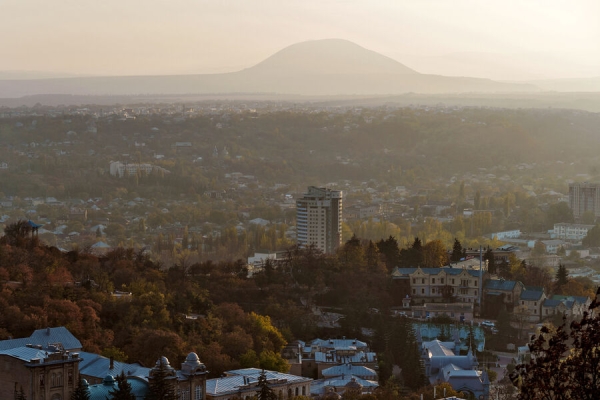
(488,324)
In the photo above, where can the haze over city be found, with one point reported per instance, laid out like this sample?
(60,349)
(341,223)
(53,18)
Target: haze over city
(299,199)
(508,40)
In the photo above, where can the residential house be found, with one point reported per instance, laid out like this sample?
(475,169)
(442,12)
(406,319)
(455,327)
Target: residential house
(569,306)
(501,293)
(425,285)
(530,303)
(568,231)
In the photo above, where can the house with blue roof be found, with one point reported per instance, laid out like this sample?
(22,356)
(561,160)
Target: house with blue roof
(500,294)
(321,354)
(94,368)
(569,306)
(44,337)
(243,384)
(530,302)
(448,284)
(41,371)
(461,372)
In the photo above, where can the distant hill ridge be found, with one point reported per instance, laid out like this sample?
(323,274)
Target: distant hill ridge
(314,68)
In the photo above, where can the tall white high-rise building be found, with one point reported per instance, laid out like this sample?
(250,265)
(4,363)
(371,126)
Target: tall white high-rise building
(584,197)
(319,219)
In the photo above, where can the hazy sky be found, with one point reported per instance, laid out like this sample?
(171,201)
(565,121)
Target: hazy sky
(517,39)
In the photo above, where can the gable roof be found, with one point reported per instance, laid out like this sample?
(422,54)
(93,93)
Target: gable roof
(501,284)
(43,337)
(99,367)
(531,295)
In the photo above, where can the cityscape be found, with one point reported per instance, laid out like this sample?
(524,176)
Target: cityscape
(299,200)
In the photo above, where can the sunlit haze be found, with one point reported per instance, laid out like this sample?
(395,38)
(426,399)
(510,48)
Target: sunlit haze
(509,40)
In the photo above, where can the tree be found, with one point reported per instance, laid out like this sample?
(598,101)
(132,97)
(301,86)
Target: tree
(264,392)
(588,217)
(160,384)
(563,365)
(559,212)
(592,239)
(435,254)
(81,392)
(123,390)
(391,252)
(562,277)
(456,251)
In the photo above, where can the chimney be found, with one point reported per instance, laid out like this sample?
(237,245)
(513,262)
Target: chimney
(112,362)
(48,331)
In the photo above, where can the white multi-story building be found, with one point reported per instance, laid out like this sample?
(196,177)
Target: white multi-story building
(570,231)
(119,169)
(319,219)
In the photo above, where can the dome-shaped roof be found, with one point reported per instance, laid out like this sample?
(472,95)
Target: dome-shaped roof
(109,380)
(84,383)
(192,357)
(164,361)
(331,395)
(353,384)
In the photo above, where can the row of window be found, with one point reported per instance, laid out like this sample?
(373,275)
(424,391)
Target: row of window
(440,291)
(463,282)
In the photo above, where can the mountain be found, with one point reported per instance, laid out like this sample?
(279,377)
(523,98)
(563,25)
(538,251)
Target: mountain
(329,56)
(314,68)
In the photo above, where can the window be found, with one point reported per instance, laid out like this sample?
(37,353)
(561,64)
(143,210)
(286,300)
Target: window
(535,303)
(414,291)
(453,281)
(432,290)
(198,393)
(423,280)
(422,291)
(475,283)
(414,280)
(184,394)
(442,280)
(303,390)
(56,379)
(522,302)
(432,280)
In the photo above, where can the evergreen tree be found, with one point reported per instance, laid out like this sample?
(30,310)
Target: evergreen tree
(471,340)
(161,387)
(389,248)
(456,251)
(264,391)
(123,390)
(504,269)
(562,277)
(413,256)
(81,392)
